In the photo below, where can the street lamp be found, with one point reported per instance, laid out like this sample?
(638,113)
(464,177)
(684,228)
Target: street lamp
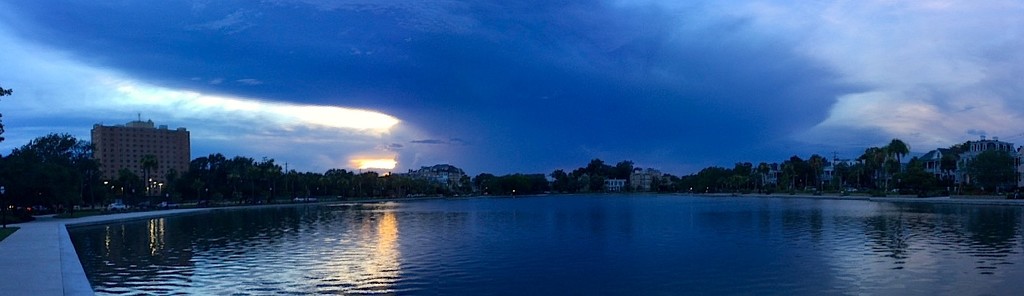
(3,210)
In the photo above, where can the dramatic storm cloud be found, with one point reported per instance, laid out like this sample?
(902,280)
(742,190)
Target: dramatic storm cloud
(498,86)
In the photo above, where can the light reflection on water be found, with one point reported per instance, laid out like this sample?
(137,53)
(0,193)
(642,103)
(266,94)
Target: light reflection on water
(578,245)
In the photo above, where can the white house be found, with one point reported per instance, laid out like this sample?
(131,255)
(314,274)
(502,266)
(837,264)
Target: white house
(614,185)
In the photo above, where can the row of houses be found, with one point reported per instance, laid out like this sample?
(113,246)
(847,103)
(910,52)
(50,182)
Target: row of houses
(933,162)
(641,180)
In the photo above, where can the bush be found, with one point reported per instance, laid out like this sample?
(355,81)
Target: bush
(18,216)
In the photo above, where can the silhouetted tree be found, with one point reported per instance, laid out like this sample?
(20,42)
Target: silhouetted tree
(49,170)
(148,164)
(992,170)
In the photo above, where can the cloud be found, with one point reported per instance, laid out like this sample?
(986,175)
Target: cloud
(427,16)
(450,141)
(249,81)
(651,81)
(230,24)
(457,141)
(428,141)
(975,132)
(928,69)
(311,137)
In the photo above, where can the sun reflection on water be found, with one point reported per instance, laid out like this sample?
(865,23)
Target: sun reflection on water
(380,269)
(368,261)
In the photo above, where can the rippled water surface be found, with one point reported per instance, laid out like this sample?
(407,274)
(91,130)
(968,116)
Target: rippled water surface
(584,245)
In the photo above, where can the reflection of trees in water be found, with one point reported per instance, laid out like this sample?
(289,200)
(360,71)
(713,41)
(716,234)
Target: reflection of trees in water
(992,233)
(799,223)
(988,233)
(889,236)
(993,228)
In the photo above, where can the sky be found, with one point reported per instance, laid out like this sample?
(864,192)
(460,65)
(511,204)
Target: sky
(518,86)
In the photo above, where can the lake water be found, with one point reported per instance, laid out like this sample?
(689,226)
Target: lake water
(581,245)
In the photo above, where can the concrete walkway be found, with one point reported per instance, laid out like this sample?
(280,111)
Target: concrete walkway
(39,259)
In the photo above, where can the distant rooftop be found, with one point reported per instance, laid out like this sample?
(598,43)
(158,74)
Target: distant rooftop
(141,124)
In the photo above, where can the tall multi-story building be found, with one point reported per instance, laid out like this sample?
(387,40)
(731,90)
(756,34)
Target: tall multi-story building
(974,149)
(444,174)
(124,147)
(641,179)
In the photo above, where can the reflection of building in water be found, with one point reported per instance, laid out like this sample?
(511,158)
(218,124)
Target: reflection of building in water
(116,238)
(156,235)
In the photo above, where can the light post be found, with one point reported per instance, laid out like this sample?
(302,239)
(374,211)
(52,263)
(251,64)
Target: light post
(3,211)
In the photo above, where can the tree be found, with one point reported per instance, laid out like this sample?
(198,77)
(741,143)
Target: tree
(597,167)
(894,153)
(49,170)
(840,172)
(897,148)
(148,163)
(916,178)
(992,169)
(763,169)
(873,160)
(130,183)
(741,173)
(817,163)
(623,170)
(796,172)
(483,183)
(561,183)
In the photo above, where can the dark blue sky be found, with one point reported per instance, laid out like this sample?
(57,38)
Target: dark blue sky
(499,86)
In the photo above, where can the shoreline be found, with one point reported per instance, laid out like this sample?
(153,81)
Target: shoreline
(960,200)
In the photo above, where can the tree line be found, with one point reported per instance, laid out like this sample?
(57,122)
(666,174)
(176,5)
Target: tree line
(58,170)
(879,171)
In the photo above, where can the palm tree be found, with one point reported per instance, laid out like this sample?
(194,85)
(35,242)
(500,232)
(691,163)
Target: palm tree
(148,163)
(817,164)
(763,169)
(897,149)
(873,159)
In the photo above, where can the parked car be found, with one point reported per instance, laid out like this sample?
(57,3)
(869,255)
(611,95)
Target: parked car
(304,199)
(117,206)
(167,205)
